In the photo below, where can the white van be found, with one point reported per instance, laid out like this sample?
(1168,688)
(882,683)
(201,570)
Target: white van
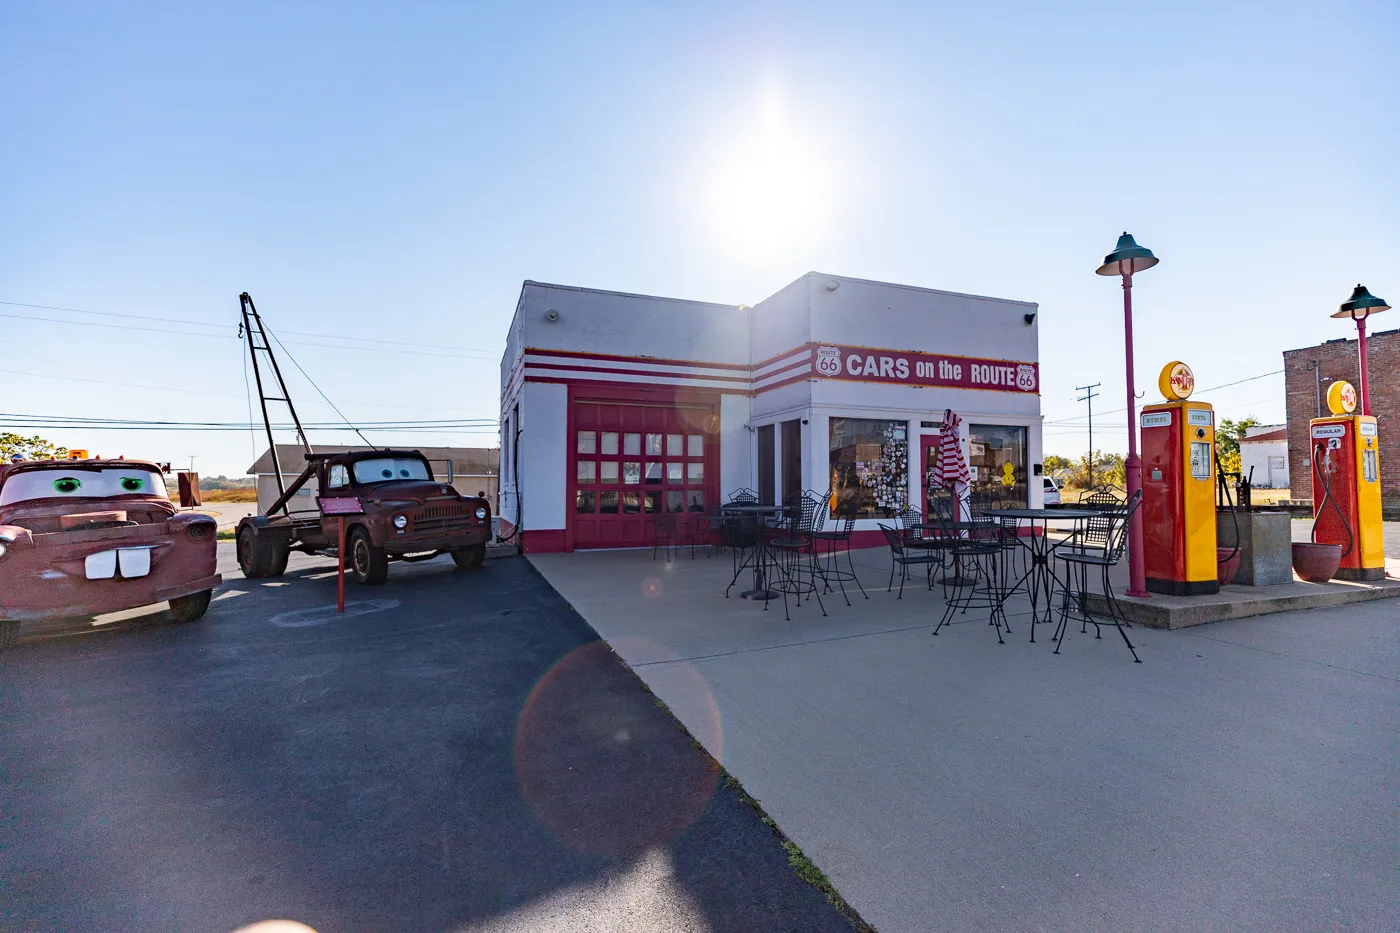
(1052,490)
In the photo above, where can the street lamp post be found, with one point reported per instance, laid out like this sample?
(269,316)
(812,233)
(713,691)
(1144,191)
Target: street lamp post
(1361,305)
(1126,259)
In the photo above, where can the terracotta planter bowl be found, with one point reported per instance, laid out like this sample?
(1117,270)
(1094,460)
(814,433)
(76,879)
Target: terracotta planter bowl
(1226,567)
(1316,563)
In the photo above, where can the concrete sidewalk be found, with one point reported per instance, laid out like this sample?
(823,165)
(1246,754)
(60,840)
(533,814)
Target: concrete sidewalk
(1242,778)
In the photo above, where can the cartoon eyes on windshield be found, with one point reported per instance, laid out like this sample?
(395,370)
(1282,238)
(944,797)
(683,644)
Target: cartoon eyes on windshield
(387,474)
(132,483)
(67,485)
(403,473)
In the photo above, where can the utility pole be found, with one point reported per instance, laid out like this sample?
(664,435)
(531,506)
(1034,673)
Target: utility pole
(1089,396)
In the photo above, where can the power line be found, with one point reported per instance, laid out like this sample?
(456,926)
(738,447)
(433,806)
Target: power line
(1225,385)
(184,322)
(1089,396)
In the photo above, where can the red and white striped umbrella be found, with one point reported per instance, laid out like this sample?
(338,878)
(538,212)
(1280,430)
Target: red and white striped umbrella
(951,466)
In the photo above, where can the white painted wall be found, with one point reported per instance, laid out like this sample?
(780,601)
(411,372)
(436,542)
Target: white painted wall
(631,325)
(543,452)
(783,320)
(736,445)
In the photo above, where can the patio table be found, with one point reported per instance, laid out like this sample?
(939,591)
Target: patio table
(758,556)
(1040,575)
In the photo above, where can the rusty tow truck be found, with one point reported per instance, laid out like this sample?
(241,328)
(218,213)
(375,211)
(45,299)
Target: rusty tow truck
(393,506)
(84,537)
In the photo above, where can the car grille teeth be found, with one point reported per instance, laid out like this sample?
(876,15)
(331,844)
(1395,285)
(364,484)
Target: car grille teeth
(441,518)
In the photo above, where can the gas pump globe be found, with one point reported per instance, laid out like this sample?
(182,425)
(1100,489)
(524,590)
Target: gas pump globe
(1346,480)
(1178,489)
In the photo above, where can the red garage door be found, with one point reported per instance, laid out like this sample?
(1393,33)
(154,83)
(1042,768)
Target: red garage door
(631,462)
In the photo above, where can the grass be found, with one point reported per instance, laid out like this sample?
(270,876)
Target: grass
(228,534)
(229,495)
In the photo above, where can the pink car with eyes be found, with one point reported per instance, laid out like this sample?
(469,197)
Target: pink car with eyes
(85,537)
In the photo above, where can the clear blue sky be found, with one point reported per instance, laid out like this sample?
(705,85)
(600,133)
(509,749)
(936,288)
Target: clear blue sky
(396,170)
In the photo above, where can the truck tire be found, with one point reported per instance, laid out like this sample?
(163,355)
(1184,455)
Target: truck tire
(190,608)
(9,633)
(470,556)
(368,563)
(261,555)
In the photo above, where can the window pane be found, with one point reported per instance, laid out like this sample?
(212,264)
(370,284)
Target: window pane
(631,503)
(609,472)
(631,473)
(695,501)
(675,472)
(609,443)
(588,471)
(869,464)
(675,501)
(607,503)
(632,445)
(588,442)
(653,501)
(585,501)
(653,445)
(695,472)
(675,445)
(654,471)
(695,445)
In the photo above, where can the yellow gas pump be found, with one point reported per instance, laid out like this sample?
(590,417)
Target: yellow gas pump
(1178,489)
(1346,480)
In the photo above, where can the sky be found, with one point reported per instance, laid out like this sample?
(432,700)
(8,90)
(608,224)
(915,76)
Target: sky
(393,172)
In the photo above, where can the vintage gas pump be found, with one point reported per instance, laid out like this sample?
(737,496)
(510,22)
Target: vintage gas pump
(1346,478)
(1178,489)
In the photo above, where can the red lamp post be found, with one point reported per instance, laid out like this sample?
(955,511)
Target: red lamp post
(1126,259)
(1361,305)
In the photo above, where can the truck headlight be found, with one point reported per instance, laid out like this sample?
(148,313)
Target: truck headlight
(481,511)
(400,522)
(2,549)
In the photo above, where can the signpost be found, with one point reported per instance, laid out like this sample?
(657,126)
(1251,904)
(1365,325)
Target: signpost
(340,506)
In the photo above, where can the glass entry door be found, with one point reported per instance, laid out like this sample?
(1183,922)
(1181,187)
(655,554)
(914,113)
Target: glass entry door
(997,456)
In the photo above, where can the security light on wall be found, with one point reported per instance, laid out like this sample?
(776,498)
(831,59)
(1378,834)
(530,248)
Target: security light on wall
(551,315)
(832,285)
(1030,319)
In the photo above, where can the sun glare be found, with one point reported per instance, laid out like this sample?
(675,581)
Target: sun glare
(771,192)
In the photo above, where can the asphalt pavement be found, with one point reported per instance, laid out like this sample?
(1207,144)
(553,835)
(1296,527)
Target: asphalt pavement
(457,752)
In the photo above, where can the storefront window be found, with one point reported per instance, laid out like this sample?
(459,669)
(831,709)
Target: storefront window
(869,467)
(997,457)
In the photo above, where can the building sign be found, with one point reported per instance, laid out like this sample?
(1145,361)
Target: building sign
(898,367)
(1156,419)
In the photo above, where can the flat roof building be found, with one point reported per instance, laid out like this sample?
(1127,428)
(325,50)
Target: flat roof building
(616,407)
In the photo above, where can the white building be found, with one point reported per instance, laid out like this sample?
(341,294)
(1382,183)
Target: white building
(1264,448)
(618,406)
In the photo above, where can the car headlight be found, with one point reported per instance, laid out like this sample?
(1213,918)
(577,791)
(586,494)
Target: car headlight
(400,522)
(481,511)
(2,549)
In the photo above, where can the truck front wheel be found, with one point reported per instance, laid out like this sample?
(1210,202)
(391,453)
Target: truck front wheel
(369,563)
(190,608)
(470,556)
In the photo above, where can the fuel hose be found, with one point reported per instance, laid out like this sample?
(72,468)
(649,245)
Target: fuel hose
(1327,499)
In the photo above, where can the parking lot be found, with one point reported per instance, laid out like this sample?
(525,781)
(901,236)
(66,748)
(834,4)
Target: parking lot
(458,752)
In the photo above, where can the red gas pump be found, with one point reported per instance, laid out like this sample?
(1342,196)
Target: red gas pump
(1346,485)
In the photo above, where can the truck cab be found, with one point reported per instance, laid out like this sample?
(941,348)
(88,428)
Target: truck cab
(393,506)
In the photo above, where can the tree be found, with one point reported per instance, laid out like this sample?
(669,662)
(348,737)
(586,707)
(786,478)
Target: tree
(1108,468)
(1056,464)
(1227,442)
(31,448)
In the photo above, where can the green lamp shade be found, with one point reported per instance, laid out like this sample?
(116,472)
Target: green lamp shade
(1127,258)
(1361,304)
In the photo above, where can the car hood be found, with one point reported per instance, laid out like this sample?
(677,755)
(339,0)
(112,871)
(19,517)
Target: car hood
(419,492)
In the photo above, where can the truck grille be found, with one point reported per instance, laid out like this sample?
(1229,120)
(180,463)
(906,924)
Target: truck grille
(441,519)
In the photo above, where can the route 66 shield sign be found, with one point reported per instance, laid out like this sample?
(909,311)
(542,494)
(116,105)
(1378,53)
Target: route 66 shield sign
(829,361)
(1025,377)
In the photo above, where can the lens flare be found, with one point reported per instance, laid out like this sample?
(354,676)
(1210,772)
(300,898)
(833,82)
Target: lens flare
(601,767)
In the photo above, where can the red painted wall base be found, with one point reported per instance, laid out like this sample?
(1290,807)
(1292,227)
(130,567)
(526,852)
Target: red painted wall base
(544,541)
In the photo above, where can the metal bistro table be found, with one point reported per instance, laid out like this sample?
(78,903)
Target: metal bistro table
(1040,576)
(759,554)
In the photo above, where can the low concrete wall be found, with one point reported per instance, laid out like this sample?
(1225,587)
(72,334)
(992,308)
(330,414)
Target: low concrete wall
(1266,546)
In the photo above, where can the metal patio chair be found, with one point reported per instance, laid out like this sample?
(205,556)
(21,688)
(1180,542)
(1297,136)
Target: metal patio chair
(903,557)
(793,546)
(1079,553)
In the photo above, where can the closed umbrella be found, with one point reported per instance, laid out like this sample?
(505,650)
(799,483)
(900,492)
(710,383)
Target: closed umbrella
(950,470)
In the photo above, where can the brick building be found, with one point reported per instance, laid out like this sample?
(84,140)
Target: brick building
(1307,374)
